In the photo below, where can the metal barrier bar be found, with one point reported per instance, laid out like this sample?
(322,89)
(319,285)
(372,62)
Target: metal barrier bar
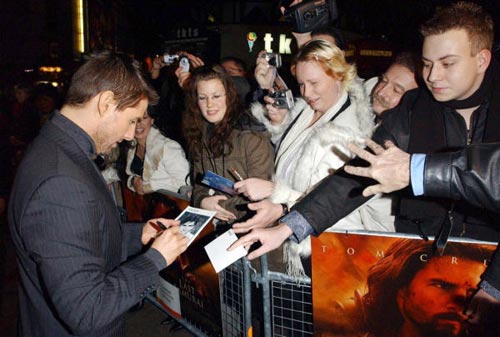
(291,308)
(247,298)
(287,303)
(236,309)
(263,280)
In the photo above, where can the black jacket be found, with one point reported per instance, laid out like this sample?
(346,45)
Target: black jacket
(472,174)
(411,130)
(419,125)
(70,244)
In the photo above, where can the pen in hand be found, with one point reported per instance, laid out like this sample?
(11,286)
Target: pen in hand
(160,229)
(236,174)
(161,225)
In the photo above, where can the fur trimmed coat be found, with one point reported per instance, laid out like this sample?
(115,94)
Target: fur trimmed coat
(322,153)
(165,164)
(325,149)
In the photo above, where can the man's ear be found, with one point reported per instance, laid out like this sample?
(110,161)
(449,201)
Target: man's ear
(106,102)
(483,60)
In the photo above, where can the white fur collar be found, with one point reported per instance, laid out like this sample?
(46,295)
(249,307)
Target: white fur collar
(260,113)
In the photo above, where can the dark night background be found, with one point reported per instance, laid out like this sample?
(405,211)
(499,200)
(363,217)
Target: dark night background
(39,32)
(36,33)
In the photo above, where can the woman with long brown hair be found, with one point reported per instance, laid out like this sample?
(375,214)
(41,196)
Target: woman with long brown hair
(221,137)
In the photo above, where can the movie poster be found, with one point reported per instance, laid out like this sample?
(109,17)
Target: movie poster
(189,288)
(387,286)
(193,285)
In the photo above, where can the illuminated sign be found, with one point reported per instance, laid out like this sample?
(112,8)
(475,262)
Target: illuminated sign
(78,26)
(46,69)
(284,43)
(376,53)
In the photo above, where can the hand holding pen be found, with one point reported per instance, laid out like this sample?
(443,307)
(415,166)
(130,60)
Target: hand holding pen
(155,227)
(165,237)
(236,174)
(254,188)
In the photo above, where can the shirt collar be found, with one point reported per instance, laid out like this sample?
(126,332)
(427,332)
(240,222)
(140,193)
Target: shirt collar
(82,138)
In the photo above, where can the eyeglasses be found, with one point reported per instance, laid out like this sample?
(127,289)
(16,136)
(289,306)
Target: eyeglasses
(216,98)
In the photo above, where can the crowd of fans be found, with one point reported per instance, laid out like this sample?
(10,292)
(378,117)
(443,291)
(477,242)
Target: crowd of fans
(290,179)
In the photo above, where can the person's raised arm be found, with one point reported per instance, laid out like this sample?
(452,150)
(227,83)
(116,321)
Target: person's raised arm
(390,166)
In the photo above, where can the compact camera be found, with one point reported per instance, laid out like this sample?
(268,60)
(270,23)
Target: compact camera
(283,99)
(183,61)
(274,59)
(309,15)
(169,59)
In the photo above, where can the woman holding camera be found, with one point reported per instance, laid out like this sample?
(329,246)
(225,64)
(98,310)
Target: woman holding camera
(221,138)
(311,140)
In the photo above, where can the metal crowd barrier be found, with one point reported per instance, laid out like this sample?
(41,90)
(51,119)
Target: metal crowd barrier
(282,305)
(285,303)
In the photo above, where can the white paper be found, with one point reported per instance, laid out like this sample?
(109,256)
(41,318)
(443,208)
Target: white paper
(170,296)
(219,255)
(193,220)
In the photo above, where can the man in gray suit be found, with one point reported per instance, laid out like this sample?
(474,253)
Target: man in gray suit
(72,248)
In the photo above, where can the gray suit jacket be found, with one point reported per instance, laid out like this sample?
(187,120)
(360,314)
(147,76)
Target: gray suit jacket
(72,249)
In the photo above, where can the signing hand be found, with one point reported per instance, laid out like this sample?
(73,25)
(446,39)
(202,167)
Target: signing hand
(212,204)
(150,229)
(254,188)
(170,243)
(270,238)
(267,214)
(389,166)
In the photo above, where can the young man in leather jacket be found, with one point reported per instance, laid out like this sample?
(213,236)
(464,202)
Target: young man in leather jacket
(470,174)
(458,107)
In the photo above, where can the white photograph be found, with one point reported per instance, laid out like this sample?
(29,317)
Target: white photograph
(193,220)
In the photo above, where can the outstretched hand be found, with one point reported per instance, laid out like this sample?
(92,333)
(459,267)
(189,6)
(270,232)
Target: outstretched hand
(390,166)
(267,213)
(270,239)
(212,204)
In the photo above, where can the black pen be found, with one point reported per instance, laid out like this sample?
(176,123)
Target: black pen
(162,228)
(161,225)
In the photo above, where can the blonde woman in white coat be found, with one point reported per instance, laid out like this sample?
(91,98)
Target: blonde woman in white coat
(311,140)
(155,162)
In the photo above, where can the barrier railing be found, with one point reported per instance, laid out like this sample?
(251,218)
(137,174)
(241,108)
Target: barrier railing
(282,304)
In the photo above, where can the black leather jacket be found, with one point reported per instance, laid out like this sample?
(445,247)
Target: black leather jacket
(472,174)
(339,194)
